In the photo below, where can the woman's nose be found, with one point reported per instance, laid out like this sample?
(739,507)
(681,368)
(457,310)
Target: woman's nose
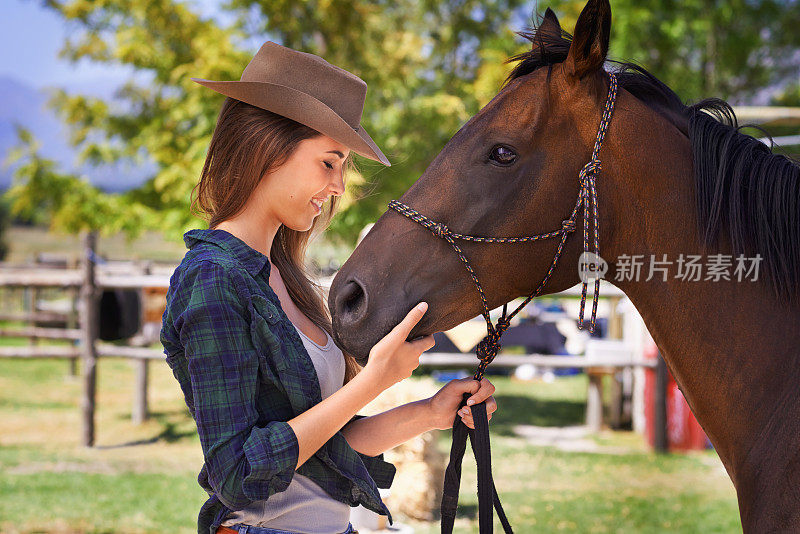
(337,186)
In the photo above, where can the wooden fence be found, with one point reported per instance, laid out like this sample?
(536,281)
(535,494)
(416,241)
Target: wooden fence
(84,285)
(85,282)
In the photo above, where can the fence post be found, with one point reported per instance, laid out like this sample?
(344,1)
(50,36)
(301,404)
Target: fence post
(31,296)
(89,329)
(594,400)
(72,318)
(660,419)
(140,396)
(140,399)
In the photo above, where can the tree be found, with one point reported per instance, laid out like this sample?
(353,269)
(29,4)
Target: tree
(729,49)
(66,202)
(166,119)
(420,60)
(429,64)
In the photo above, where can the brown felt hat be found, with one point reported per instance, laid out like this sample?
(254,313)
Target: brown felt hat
(306,89)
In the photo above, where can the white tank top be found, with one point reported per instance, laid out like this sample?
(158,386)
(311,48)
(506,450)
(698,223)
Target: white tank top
(304,506)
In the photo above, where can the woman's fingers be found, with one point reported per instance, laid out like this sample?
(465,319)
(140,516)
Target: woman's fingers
(466,412)
(404,327)
(424,343)
(486,390)
(483,393)
(491,406)
(468,415)
(467,420)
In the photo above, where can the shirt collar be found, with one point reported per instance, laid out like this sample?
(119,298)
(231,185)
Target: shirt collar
(253,260)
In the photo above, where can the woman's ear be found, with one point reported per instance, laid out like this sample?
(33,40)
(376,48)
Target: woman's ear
(590,43)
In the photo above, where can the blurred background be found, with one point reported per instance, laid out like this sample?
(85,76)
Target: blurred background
(102,138)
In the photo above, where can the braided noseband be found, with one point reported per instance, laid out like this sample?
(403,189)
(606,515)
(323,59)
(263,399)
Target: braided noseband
(587,197)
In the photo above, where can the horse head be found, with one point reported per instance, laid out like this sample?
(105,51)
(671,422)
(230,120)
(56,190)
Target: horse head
(511,170)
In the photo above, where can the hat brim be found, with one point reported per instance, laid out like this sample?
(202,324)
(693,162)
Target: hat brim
(300,107)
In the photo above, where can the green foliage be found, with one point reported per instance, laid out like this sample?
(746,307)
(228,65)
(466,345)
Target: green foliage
(429,64)
(702,48)
(789,97)
(67,202)
(168,117)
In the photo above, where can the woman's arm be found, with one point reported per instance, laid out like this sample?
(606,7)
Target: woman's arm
(381,432)
(249,460)
(391,360)
(245,460)
(319,423)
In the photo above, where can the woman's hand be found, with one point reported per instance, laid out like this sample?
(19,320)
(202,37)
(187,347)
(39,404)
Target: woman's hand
(444,404)
(393,358)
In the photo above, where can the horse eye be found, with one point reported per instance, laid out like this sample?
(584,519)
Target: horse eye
(503,155)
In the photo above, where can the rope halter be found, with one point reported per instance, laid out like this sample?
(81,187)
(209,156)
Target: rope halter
(489,346)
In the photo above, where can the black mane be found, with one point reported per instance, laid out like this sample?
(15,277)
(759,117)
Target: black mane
(743,190)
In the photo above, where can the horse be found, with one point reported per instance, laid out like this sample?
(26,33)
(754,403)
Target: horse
(677,181)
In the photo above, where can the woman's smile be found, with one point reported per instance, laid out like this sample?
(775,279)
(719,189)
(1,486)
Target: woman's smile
(317,203)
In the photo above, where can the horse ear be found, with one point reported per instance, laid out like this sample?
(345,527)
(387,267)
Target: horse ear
(550,25)
(547,33)
(589,47)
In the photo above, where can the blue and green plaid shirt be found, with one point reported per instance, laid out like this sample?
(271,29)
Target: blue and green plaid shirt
(244,372)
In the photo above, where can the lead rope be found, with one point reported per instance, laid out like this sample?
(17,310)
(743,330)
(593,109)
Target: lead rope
(489,346)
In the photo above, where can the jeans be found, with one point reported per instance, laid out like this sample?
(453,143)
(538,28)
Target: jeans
(248,529)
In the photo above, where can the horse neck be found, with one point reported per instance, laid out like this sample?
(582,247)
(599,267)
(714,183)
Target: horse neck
(731,346)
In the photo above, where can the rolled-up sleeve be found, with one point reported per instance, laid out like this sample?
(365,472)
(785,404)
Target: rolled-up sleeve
(245,461)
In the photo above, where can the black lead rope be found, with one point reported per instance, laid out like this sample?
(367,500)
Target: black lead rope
(487,493)
(488,348)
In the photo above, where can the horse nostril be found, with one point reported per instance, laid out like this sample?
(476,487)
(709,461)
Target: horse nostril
(352,301)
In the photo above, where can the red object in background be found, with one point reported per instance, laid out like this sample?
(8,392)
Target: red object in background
(683,431)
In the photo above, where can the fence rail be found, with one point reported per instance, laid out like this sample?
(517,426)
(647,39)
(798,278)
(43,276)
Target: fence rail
(88,281)
(539,360)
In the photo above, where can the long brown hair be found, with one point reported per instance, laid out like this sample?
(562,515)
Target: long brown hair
(249,142)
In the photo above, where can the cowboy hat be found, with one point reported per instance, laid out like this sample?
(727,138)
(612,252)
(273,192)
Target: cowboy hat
(306,89)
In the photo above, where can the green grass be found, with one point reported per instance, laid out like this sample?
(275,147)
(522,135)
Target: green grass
(559,403)
(545,490)
(143,478)
(48,501)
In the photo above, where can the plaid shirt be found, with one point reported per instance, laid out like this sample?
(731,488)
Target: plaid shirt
(244,372)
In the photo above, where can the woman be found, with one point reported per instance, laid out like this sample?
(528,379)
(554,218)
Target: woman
(246,332)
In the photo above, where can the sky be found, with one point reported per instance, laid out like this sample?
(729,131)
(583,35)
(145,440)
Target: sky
(31,36)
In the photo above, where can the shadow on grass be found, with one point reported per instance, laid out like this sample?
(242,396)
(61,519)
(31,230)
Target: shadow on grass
(172,430)
(521,410)
(467,511)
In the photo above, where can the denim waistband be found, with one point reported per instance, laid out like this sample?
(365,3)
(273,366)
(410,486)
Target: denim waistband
(249,529)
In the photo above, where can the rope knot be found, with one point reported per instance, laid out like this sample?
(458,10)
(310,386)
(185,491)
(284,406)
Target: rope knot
(568,225)
(591,168)
(502,325)
(440,230)
(488,348)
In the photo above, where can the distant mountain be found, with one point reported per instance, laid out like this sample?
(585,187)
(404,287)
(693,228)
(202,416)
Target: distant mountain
(24,104)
